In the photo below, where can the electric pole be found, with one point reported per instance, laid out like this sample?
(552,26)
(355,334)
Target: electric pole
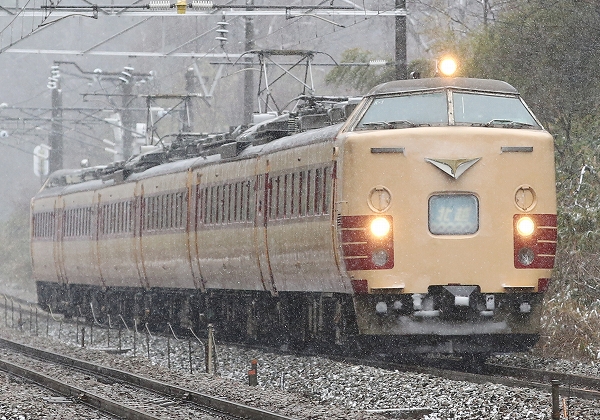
(127,121)
(248,73)
(56,134)
(401,65)
(190,87)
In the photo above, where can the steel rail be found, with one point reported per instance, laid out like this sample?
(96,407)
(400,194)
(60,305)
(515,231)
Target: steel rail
(167,390)
(78,394)
(578,386)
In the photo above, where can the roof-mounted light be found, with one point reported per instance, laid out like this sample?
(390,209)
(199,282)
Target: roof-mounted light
(447,66)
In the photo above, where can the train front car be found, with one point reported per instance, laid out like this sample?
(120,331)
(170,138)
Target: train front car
(447,216)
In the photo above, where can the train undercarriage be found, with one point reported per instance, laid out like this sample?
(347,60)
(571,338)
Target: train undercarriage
(325,322)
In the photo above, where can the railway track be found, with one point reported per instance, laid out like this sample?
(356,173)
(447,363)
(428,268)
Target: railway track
(574,388)
(145,398)
(571,385)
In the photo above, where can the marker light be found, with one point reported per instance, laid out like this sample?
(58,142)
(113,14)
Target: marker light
(525,226)
(447,66)
(380,227)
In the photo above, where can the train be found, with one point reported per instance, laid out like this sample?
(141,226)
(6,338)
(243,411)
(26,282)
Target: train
(419,218)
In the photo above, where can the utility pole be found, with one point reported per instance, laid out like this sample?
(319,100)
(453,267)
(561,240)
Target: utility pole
(485,12)
(127,121)
(56,133)
(190,87)
(401,65)
(248,73)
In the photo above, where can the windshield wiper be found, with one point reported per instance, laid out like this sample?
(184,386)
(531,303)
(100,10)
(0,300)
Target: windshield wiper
(385,125)
(507,123)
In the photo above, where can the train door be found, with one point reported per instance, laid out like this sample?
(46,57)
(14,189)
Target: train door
(139,216)
(262,191)
(195,204)
(97,217)
(59,262)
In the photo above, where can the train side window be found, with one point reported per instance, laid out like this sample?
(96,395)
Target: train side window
(154,213)
(123,216)
(327,191)
(145,213)
(237,194)
(219,204)
(113,218)
(212,205)
(243,201)
(108,219)
(165,211)
(319,190)
(145,216)
(179,206)
(150,213)
(67,224)
(310,192)
(289,192)
(203,205)
(172,210)
(119,215)
(296,192)
(130,212)
(226,201)
(251,200)
(102,218)
(274,197)
(232,202)
(77,223)
(177,200)
(175,210)
(160,211)
(282,197)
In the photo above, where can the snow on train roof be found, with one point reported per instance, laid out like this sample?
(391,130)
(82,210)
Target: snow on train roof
(486,85)
(287,142)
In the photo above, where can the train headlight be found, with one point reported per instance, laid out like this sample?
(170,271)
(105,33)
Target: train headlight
(526,256)
(380,227)
(525,226)
(379,257)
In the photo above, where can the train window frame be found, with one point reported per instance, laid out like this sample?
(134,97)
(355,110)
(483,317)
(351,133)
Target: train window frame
(328,189)
(406,121)
(532,123)
(252,191)
(289,193)
(244,201)
(355,123)
(310,187)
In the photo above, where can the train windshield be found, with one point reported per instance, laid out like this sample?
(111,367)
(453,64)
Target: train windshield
(433,108)
(491,110)
(406,111)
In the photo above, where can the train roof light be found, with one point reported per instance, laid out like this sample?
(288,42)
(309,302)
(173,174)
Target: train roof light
(447,66)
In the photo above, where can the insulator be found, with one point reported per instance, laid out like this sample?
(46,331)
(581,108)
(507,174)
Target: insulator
(197,4)
(377,63)
(159,5)
(292,125)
